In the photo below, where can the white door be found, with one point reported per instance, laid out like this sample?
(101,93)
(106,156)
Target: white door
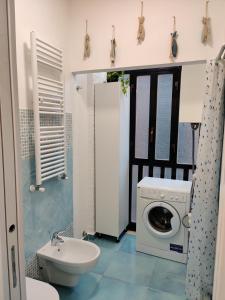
(12,278)
(4,284)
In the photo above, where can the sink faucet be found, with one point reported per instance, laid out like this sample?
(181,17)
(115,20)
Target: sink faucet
(56,240)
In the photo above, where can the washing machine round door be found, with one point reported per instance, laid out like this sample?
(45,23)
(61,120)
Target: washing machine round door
(161,219)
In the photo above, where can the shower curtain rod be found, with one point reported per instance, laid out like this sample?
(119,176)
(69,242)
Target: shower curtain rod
(221,54)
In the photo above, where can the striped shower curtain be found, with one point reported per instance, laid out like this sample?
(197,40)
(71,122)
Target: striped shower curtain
(201,256)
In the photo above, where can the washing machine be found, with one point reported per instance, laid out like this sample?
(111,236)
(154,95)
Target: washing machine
(162,206)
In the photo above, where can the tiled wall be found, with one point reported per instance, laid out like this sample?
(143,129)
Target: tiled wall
(52,210)
(27,130)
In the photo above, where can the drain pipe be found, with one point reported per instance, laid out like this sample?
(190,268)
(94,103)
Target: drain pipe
(186,221)
(194,127)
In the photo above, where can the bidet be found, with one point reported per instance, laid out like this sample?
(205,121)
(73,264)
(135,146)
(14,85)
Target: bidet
(63,264)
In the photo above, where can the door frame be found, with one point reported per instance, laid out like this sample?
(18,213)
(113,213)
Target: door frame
(11,214)
(7,14)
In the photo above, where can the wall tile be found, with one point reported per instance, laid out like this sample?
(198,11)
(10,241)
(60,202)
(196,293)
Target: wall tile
(45,212)
(52,210)
(27,130)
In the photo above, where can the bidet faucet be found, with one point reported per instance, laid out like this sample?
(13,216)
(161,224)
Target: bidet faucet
(56,240)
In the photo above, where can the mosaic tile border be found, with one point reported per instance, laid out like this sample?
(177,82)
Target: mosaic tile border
(27,130)
(32,267)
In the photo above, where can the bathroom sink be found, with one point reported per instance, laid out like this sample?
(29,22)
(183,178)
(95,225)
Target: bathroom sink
(65,263)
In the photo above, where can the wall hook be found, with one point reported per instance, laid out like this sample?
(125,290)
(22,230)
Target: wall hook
(113,31)
(174,23)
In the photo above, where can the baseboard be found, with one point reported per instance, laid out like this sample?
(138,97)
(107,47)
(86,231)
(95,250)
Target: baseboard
(110,237)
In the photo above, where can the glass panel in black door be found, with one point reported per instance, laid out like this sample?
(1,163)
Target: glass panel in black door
(142,116)
(163,116)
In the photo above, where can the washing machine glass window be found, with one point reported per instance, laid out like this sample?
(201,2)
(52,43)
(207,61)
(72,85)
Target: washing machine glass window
(161,219)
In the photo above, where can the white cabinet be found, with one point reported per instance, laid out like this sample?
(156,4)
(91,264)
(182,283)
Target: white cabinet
(112,113)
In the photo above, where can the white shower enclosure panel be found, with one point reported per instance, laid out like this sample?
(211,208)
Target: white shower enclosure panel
(112,113)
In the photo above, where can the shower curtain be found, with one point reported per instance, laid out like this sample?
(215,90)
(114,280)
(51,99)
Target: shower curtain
(201,256)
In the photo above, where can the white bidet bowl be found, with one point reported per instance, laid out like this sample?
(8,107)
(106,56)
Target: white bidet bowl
(65,263)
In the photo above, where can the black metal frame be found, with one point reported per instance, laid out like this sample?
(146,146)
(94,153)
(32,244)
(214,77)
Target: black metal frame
(151,162)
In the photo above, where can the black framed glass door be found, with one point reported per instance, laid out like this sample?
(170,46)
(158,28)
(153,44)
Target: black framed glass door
(154,128)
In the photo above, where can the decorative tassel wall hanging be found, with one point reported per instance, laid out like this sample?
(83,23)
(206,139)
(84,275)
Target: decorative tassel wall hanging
(141,28)
(87,46)
(206,31)
(113,47)
(174,45)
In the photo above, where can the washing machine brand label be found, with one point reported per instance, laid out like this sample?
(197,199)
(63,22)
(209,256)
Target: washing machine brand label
(176,248)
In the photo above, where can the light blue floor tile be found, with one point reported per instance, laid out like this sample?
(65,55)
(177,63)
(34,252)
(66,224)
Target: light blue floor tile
(166,265)
(108,243)
(111,289)
(104,260)
(131,268)
(92,288)
(169,277)
(128,244)
(124,274)
(86,288)
(159,295)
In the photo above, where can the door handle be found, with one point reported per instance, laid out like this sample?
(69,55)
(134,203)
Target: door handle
(13,261)
(151,135)
(174,148)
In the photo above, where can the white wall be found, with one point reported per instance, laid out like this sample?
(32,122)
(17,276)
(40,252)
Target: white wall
(83,145)
(192,93)
(63,24)
(123,14)
(49,19)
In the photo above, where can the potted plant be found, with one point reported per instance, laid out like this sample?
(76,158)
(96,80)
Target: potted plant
(119,76)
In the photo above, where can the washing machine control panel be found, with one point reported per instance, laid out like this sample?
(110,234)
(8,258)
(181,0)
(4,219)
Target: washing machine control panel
(167,195)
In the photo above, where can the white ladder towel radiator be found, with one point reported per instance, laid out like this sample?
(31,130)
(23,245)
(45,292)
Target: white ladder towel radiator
(49,116)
